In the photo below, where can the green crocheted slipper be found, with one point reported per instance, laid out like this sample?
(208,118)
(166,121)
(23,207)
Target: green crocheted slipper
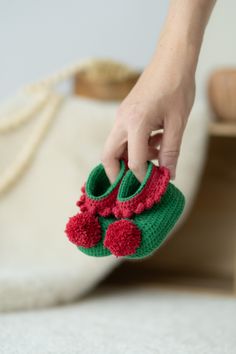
(146,211)
(87,229)
(127,219)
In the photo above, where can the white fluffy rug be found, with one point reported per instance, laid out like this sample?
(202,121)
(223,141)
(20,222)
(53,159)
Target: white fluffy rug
(38,266)
(138,321)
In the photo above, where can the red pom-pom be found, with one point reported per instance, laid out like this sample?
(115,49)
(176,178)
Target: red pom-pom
(123,238)
(83,230)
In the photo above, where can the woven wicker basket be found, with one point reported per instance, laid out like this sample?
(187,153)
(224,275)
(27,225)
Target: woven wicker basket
(105,80)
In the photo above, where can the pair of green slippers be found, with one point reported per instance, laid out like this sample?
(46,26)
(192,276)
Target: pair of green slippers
(127,218)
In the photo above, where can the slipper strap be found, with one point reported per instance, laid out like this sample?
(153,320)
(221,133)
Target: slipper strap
(150,194)
(102,207)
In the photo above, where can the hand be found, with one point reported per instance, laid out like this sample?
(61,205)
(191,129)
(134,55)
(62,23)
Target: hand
(163,96)
(161,99)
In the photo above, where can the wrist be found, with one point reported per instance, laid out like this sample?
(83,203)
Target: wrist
(182,34)
(176,54)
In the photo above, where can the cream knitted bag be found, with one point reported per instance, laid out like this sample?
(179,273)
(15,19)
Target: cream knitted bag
(48,144)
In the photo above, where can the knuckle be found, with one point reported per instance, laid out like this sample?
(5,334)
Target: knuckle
(171,153)
(134,119)
(130,115)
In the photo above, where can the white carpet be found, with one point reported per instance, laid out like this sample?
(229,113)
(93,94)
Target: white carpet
(135,321)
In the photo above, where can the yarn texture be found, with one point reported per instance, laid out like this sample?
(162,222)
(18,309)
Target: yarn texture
(98,195)
(87,229)
(135,197)
(134,218)
(83,230)
(157,222)
(123,238)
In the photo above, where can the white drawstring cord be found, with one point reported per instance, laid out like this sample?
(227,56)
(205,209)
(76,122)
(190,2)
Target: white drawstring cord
(46,100)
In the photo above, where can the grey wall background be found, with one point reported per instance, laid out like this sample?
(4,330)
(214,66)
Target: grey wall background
(39,37)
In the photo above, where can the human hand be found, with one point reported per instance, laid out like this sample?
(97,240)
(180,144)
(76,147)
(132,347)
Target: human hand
(161,99)
(163,96)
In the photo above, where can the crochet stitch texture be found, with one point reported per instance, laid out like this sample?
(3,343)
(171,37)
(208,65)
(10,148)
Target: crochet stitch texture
(87,229)
(135,218)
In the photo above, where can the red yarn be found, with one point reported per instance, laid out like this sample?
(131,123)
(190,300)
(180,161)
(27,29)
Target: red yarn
(83,230)
(149,195)
(123,238)
(102,206)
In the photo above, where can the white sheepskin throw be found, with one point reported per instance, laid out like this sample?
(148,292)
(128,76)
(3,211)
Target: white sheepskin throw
(38,266)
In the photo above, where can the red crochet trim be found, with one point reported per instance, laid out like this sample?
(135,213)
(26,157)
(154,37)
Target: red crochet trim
(149,195)
(102,206)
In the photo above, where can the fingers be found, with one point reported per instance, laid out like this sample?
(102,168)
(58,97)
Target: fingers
(138,153)
(170,146)
(153,154)
(113,150)
(142,148)
(155,139)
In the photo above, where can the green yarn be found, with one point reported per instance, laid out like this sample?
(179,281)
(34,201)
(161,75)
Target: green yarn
(98,185)
(157,222)
(130,185)
(154,223)
(99,250)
